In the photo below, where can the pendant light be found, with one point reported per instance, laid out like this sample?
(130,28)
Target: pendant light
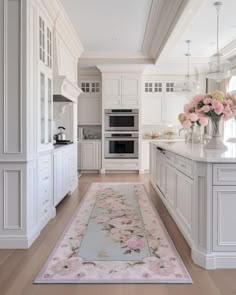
(188,85)
(219,68)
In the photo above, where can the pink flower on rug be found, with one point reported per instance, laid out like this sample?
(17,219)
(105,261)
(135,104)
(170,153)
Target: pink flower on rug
(163,267)
(66,266)
(135,244)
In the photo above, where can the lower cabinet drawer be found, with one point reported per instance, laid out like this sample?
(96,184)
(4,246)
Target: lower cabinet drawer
(184,165)
(44,162)
(121,165)
(224,174)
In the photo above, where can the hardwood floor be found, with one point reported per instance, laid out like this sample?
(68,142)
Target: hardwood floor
(18,268)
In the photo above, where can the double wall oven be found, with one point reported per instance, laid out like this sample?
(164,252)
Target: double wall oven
(122,120)
(121,134)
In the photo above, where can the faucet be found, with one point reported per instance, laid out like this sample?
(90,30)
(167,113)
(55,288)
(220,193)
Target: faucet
(182,129)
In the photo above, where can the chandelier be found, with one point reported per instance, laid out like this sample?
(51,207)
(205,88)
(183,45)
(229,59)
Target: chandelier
(188,85)
(219,68)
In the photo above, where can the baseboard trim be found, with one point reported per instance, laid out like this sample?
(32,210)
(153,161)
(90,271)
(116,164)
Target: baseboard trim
(18,242)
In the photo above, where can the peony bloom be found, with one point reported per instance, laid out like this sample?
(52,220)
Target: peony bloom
(207,100)
(218,107)
(182,117)
(187,124)
(206,109)
(193,117)
(203,121)
(218,95)
(187,108)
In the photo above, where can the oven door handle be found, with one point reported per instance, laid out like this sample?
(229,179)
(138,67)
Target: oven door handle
(121,115)
(121,139)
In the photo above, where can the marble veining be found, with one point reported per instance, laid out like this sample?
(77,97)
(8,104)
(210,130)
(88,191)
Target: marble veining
(197,152)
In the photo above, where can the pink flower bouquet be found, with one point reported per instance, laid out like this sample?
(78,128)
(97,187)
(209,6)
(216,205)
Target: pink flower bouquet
(202,107)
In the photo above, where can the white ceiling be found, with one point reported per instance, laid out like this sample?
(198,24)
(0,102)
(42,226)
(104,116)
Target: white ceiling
(109,25)
(201,29)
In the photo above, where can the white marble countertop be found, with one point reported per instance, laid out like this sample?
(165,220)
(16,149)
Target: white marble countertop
(197,152)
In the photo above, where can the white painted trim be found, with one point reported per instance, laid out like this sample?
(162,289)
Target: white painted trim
(5,201)
(5,94)
(121,68)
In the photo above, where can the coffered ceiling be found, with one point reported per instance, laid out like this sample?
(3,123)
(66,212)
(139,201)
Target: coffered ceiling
(123,30)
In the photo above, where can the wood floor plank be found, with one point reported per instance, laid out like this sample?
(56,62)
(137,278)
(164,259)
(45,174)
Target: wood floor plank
(18,268)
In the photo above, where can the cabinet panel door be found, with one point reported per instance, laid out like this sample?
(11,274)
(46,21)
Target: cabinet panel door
(172,105)
(130,90)
(58,177)
(152,162)
(171,185)
(184,200)
(145,155)
(98,155)
(224,218)
(112,90)
(89,111)
(88,160)
(160,172)
(151,110)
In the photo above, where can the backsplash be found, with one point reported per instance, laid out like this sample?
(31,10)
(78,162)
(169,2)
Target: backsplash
(91,132)
(161,130)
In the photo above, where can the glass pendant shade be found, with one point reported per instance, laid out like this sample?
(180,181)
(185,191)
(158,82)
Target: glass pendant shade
(188,85)
(219,68)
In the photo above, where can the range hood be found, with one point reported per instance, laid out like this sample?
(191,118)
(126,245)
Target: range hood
(64,90)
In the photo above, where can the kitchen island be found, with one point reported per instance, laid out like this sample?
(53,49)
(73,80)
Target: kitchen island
(198,187)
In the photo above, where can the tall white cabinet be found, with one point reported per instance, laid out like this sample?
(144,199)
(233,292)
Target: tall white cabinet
(26,104)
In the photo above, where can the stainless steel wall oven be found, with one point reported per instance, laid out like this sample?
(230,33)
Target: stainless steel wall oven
(121,146)
(122,120)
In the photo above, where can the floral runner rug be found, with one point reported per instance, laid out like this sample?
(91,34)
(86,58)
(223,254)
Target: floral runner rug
(115,236)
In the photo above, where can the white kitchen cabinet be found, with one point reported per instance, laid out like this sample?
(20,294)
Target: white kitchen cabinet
(224,219)
(45,190)
(121,90)
(184,201)
(151,111)
(160,104)
(89,110)
(172,106)
(90,155)
(152,162)
(145,155)
(171,184)
(65,170)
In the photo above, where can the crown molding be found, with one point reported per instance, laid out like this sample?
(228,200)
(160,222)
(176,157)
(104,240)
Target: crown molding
(229,51)
(113,57)
(111,68)
(161,22)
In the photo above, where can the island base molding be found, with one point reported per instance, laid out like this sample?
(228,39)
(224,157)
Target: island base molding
(214,260)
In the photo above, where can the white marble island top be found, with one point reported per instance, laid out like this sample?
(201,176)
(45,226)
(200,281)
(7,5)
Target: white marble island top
(197,152)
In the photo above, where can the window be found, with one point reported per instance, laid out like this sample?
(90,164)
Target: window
(148,87)
(85,86)
(170,87)
(95,87)
(157,87)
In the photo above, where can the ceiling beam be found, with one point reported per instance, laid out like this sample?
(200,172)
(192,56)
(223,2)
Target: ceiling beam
(163,17)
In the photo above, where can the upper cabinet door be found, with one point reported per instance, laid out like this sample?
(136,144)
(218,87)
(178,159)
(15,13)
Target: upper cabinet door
(112,90)
(172,105)
(45,43)
(131,90)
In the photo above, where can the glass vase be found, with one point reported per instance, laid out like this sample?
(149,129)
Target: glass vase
(194,134)
(217,132)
